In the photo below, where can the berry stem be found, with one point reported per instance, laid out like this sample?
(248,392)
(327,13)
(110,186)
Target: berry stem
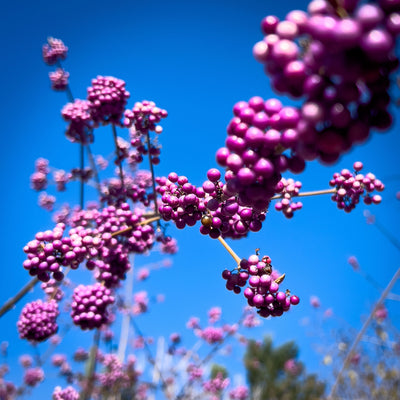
(71,99)
(121,172)
(280,279)
(338,7)
(362,331)
(150,357)
(82,183)
(10,303)
(392,239)
(129,228)
(123,338)
(153,178)
(312,193)
(230,251)
(94,169)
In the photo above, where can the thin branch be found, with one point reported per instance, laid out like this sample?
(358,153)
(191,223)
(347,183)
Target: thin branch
(153,178)
(71,99)
(121,172)
(82,182)
(129,228)
(312,193)
(123,339)
(150,357)
(94,169)
(91,368)
(392,239)
(230,251)
(362,331)
(10,303)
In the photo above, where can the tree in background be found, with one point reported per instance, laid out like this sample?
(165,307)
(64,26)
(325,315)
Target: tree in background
(275,373)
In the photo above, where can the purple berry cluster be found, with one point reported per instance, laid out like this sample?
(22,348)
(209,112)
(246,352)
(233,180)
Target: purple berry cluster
(107,99)
(216,385)
(46,201)
(33,376)
(253,157)
(181,201)
(54,51)
(39,179)
(80,121)
(137,238)
(50,251)
(59,79)
(69,393)
(288,188)
(212,334)
(61,178)
(351,186)
(114,374)
(339,60)
(135,188)
(37,321)
(224,215)
(89,306)
(262,291)
(144,117)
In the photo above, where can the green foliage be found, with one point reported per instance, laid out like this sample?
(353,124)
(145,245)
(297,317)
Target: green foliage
(218,369)
(270,380)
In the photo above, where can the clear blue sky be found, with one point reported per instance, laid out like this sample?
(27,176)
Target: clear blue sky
(195,60)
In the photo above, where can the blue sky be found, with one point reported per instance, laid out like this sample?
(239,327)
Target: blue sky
(195,60)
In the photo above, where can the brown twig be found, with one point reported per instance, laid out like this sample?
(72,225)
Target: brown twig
(230,251)
(312,193)
(10,303)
